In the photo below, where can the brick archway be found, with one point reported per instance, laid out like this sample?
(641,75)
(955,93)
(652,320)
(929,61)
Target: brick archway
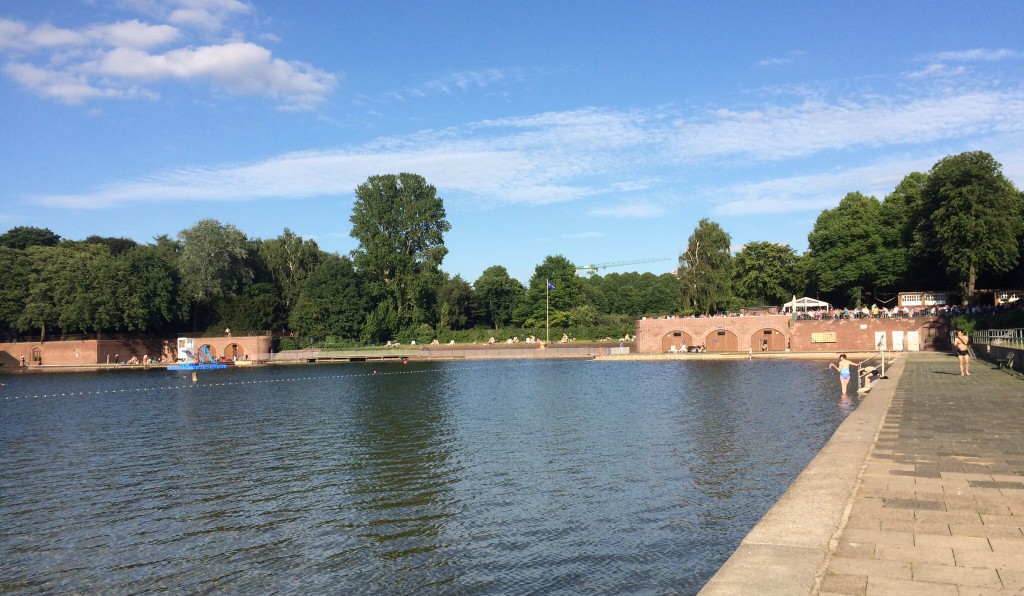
(768,340)
(675,338)
(721,340)
(232,351)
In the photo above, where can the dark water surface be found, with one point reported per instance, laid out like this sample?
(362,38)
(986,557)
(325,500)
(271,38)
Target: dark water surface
(467,477)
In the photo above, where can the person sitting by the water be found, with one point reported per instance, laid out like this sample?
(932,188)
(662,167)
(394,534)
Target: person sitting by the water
(672,349)
(868,375)
(490,341)
(565,338)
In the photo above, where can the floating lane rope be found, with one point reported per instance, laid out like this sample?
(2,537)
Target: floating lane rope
(374,373)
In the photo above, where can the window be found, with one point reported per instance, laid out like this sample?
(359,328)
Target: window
(826,337)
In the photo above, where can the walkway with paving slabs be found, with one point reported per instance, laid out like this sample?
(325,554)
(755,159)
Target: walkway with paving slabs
(939,507)
(919,491)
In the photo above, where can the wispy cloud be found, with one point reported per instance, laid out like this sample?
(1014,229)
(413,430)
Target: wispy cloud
(120,59)
(630,210)
(583,235)
(937,70)
(608,157)
(779,132)
(978,54)
(813,192)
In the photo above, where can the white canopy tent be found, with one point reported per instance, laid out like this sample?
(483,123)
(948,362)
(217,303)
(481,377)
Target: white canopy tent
(805,303)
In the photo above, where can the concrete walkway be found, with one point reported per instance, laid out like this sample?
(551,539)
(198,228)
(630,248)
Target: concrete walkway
(920,491)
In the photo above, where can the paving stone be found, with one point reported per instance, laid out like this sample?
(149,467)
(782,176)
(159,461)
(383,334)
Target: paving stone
(850,585)
(1007,544)
(915,504)
(928,527)
(883,586)
(994,484)
(1002,520)
(1013,580)
(915,554)
(954,542)
(990,560)
(961,576)
(985,531)
(870,568)
(878,536)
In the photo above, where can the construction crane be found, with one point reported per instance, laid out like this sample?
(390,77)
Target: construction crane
(593,269)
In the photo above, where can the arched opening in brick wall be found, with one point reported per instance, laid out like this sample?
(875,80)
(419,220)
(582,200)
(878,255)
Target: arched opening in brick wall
(721,340)
(677,339)
(768,340)
(213,352)
(232,351)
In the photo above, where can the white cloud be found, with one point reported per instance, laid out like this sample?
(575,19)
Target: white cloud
(937,70)
(115,60)
(979,54)
(779,132)
(595,154)
(814,192)
(630,210)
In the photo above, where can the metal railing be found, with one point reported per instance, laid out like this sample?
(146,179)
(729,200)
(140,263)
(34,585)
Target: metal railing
(999,337)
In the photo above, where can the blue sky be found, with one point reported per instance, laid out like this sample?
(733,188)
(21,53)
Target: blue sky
(601,131)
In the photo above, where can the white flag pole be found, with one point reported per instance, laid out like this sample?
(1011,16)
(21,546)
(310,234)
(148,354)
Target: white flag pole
(547,309)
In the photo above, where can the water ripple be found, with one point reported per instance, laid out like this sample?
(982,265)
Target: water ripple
(511,478)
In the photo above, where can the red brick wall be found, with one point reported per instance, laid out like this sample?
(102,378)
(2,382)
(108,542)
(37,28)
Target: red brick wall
(654,336)
(91,352)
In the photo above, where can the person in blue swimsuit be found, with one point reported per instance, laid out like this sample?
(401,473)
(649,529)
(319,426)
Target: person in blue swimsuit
(844,371)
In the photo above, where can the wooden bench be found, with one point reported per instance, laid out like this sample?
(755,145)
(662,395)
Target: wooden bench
(1005,362)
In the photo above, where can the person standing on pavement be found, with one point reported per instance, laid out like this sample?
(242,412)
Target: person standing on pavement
(962,353)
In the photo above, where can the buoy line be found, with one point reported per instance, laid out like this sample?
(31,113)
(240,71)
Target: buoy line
(374,373)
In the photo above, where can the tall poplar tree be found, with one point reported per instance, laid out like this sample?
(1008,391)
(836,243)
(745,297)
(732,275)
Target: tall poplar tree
(705,269)
(400,224)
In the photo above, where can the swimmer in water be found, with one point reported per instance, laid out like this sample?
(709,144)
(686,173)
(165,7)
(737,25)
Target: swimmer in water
(844,371)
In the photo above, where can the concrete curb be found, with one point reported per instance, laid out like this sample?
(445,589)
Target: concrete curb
(788,550)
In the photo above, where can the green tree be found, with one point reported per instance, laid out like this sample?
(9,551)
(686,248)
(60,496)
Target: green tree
(910,242)
(148,298)
(496,294)
(766,273)
(847,254)
(454,304)
(23,237)
(331,303)
(212,264)
(976,214)
(540,303)
(15,267)
(258,308)
(40,310)
(400,224)
(117,246)
(705,269)
(289,259)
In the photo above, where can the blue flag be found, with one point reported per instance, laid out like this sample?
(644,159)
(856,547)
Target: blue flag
(551,286)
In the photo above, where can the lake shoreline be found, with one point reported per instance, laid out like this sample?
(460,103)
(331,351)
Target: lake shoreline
(398,358)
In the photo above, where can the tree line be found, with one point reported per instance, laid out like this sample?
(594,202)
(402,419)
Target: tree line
(958,225)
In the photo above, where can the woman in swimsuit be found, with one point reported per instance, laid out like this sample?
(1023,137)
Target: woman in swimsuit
(844,371)
(962,353)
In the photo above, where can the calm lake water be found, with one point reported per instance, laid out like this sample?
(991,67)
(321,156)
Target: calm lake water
(458,477)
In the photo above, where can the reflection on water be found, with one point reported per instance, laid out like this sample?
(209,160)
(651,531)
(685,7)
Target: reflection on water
(475,477)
